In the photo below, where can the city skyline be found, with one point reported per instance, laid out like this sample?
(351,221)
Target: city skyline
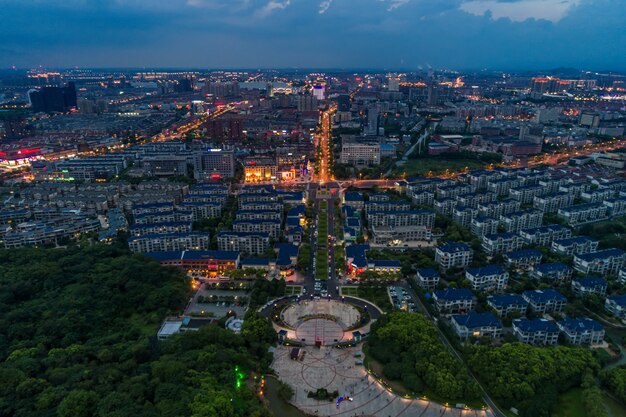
(393,34)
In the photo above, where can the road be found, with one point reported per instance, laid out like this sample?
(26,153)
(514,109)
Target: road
(324,151)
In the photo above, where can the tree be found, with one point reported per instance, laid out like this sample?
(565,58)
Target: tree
(78,403)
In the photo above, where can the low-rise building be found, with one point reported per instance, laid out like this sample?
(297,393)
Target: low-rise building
(590,285)
(582,331)
(576,245)
(501,242)
(253,243)
(427,278)
(507,304)
(580,214)
(523,258)
(453,254)
(488,278)
(545,301)
(537,332)
(616,305)
(454,300)
(211,263)
(545,235)
(481,226)
(551,203)
(476,325)
(525,219)
(555,272)
(604,262)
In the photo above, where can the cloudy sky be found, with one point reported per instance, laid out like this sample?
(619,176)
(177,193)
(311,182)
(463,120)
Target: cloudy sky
(389,34)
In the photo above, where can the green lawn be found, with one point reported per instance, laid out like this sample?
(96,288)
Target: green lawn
(436,165)
(293,289)
(376,294)
(349,291)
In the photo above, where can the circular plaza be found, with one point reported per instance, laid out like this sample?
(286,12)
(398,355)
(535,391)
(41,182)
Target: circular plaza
(320,322)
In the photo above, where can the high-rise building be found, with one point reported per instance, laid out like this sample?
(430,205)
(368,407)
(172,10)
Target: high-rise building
(307,103)
(372,121)
(53,99)
(221,129)
(343,103)
(319,91)
(394,84)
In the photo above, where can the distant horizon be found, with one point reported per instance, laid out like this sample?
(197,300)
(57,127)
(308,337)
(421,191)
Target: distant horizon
(606,71)
(505,35)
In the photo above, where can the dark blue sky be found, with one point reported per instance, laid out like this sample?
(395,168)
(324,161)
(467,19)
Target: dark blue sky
(457,34)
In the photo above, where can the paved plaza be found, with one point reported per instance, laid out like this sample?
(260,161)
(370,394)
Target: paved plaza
(336,369)
(322,321)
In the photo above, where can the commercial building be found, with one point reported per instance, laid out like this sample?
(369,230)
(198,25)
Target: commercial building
(209,263)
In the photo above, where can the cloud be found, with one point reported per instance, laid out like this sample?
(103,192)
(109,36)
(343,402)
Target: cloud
(271,6)
(324,5)
(521,10)
(396,3)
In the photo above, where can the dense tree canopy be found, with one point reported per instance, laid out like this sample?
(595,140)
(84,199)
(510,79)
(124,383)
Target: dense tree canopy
(77,339)
(528,377)
(410,350)
(615,381)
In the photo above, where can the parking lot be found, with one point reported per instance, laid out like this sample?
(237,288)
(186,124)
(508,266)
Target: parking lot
(402,298)
(217,303)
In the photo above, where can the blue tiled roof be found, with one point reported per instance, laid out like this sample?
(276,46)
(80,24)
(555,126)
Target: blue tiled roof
(523,254)
(601,254)
(296,211)
(551,267)
(452,294)
(504,235)
(357,253)
(452,247)
(293,221)
(486,271)
(243,234)
(254,262)
(543,229)
(474,320)
(428,272)
(542,296)
(160,224)
(580,324)
(354,222)
(257,221)
(353,196)
(592,281)
(504,300)
(536,325)
(620,300)
(286,251)
(152,205)
(576,239)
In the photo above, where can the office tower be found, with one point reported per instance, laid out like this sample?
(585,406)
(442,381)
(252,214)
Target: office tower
(319,91)
(53,99)
(433,94)
(343,103)
(372,121)
(394,84)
